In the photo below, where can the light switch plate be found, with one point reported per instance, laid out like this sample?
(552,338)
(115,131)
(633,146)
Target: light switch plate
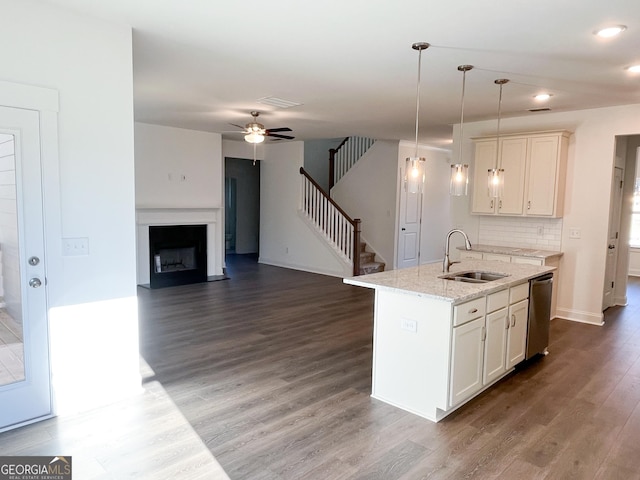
(72,247)
(409,325)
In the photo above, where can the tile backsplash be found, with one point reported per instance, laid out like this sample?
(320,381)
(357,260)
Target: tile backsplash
(523,232)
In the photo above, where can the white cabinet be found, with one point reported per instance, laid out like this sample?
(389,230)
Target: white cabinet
(517,336)
(485,347)
(495,350)
(534,167)
(467,350)
(513,158)
(546,169)
(517,333)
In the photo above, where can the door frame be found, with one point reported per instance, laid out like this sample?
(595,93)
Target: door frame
(46,102)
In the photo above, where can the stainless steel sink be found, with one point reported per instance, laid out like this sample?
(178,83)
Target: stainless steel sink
(473,276)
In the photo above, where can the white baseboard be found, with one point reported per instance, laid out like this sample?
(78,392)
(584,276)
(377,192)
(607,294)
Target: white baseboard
(581,317)
(303,268)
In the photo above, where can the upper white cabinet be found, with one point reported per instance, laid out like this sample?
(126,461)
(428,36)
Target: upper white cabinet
(534,174)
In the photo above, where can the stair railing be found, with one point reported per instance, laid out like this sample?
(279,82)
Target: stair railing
(339,228)
(342,158)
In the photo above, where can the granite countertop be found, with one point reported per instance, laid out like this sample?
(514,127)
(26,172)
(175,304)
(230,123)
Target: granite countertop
(521,252)
(425,281)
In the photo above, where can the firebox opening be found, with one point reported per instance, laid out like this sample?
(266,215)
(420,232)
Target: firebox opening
(178,255)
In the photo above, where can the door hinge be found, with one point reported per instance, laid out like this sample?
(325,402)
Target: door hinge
(611,284)
(616,235)
(620,184)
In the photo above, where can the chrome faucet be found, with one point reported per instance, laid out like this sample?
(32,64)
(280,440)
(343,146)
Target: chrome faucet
(467,244)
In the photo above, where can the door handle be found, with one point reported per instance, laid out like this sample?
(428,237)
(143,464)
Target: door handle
(611,246)
(403,229)
(35,282)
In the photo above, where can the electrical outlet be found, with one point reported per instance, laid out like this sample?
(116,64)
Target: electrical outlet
(541,231)
(409,325)
(575,233)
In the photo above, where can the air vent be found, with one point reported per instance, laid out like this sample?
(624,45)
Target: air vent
(543,109)
(278,102)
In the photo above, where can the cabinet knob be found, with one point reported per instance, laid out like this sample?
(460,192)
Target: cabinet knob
(513,320)
(474,310)
(529,205)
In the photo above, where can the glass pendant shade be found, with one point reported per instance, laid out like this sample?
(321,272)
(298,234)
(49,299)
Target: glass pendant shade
(496,182)
(414,174)
(459,180)
(254,137)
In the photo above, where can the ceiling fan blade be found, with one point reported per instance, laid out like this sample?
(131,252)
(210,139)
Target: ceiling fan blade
(275,135)
(282,129)
(239,126)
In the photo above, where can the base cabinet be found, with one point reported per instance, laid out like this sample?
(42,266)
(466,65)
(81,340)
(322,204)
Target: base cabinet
(485,348)
(466,360)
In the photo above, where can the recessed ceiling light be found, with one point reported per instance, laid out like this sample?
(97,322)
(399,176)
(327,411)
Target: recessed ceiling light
(542,97)
(609,32)
(633,68)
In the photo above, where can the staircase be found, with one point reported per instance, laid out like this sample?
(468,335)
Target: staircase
(368,263)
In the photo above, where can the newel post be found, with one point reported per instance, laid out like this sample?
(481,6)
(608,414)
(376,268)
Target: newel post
(356,247)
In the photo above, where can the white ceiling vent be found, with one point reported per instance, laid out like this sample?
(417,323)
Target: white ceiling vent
(278,102)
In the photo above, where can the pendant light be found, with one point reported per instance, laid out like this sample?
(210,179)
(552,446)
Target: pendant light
(414,170)
(459,171)
(496,175)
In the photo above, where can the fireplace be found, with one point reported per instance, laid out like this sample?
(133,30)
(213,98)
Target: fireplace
(177,255)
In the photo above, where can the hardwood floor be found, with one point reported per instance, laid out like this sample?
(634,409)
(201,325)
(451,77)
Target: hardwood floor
(272,370)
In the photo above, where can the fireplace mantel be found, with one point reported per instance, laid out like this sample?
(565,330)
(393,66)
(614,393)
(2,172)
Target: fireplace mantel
(212,217)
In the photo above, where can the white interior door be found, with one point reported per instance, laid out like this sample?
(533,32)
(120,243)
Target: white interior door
(612,243)
(25,392)
(409,234)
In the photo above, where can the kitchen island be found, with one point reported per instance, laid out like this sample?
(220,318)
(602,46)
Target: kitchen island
(438,343)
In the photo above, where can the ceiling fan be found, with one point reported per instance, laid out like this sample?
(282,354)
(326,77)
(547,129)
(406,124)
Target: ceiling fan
(254,132)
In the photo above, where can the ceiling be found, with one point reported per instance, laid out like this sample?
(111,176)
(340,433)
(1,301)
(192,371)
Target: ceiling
(202,64)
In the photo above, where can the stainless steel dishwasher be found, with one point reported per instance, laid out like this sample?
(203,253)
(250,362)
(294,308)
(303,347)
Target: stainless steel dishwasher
(539,314)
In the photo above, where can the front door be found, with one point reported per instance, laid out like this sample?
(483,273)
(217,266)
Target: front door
(25,392)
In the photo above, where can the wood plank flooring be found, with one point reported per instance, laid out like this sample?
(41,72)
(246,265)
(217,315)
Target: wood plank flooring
(272,370)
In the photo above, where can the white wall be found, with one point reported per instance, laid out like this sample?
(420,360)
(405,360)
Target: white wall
(368,192)
(92,298)
(587,197)
(177,168)
(285,238)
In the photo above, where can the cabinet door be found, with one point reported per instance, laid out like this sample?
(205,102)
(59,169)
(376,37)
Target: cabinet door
(467,353)
(495,348)
(513,158)
(485,159)
(517,334)
(542,184)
